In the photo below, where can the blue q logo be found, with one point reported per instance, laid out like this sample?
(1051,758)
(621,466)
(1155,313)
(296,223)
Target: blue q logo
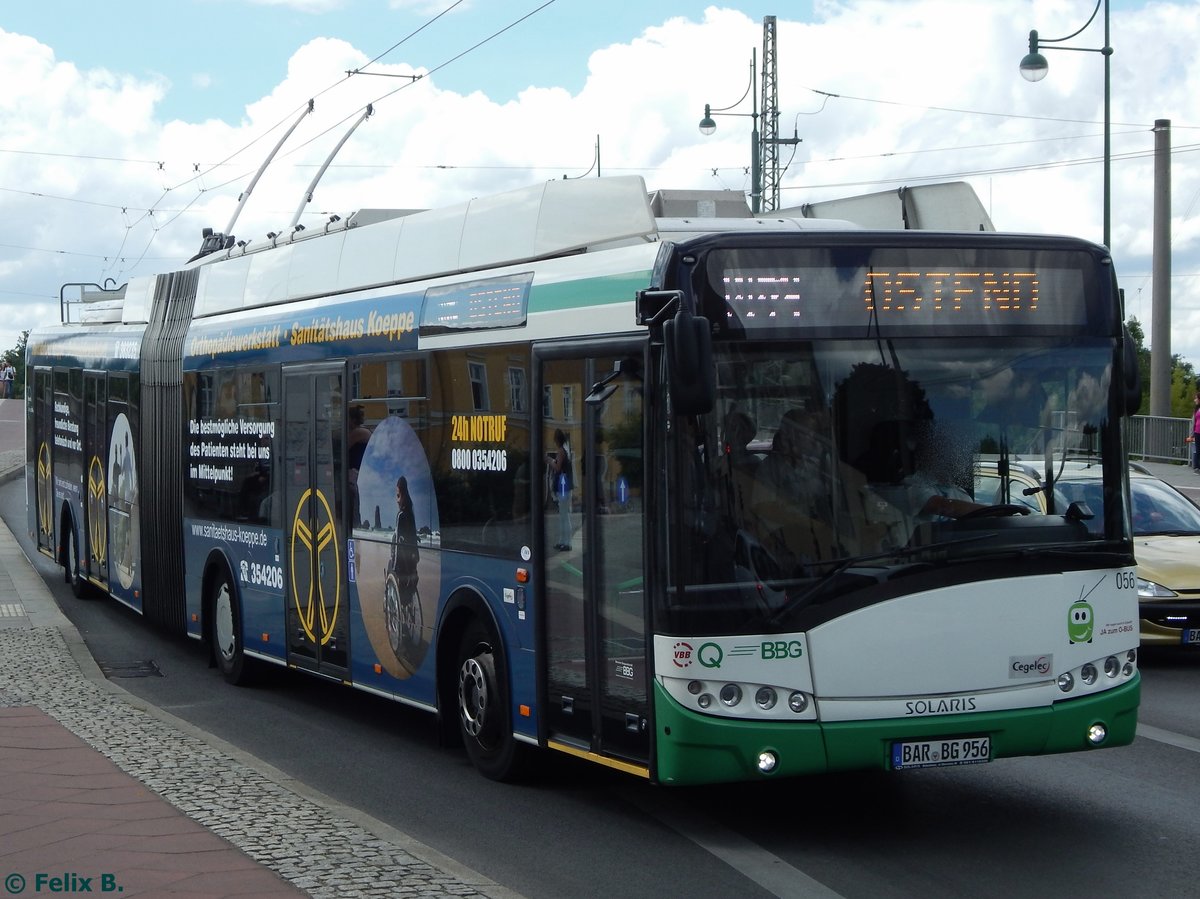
(710,655)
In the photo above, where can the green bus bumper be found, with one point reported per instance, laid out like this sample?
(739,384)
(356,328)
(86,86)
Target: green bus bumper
(693,749)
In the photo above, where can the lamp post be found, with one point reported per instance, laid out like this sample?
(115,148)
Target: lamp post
(1034,68)
(708,126)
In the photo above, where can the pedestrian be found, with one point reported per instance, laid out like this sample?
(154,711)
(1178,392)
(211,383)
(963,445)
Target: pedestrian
(562,480)
(1195,438)
(7,376)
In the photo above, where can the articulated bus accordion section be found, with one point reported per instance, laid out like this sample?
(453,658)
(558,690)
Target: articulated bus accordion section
(162,454)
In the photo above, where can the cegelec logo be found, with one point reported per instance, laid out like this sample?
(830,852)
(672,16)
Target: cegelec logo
(1030,666)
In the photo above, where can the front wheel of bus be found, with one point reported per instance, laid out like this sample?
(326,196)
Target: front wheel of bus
(483,713)
(227,631)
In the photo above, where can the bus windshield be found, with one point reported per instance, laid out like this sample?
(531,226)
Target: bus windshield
(829,467)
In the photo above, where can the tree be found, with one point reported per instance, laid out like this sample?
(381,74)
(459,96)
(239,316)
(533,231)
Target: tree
(1183,377)
(1183,388)
(1143,357)
(17,357)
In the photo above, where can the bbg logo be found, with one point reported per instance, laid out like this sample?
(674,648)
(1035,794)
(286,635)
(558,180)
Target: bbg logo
(782,649)
(1080,622)
(712,655)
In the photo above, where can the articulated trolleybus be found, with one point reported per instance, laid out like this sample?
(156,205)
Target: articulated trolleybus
(702,499)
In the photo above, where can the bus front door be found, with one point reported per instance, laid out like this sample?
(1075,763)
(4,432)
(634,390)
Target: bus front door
(595,616)
(315,565)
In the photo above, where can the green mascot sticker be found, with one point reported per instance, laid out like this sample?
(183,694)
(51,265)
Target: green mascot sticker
(1080,623)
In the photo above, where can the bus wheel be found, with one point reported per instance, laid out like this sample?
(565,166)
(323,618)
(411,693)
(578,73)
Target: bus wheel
(71,573)
(483,713)
(227,631)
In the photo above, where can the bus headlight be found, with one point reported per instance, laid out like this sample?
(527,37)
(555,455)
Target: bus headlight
(1112,667)
(765,698)
(731,694)
(704,700)
(1097,734)
(1066,681)
(1088,674)
(797,702)
(768,761)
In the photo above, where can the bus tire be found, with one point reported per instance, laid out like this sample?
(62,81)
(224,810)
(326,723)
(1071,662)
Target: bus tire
(227,631)
(483,712)
(71,573)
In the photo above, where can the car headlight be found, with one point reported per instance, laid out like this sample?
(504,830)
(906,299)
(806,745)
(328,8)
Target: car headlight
(1150,590)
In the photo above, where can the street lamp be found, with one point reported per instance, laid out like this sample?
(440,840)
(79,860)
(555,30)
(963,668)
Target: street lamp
(1034,68)
(708,126)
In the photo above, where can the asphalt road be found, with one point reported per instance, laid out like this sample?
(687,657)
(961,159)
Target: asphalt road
(1116,822)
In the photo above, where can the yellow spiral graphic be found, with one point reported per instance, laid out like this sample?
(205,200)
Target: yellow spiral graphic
(97,533)
(45,504)
(316,619)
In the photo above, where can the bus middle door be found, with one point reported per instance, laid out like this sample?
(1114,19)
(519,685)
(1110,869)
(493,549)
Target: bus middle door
(315,566)
(95,457)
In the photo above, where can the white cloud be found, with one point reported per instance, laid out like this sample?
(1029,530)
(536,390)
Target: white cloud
(899,68)
(430,7)
(304,6)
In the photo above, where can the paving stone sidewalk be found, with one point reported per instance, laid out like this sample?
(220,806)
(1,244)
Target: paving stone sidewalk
(314,849)
(310,842)
(74,823)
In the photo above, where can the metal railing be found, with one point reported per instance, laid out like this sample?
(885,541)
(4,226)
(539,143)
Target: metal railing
(1156,438)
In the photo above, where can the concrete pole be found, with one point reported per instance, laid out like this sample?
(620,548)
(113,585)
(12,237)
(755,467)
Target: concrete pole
(1160,336)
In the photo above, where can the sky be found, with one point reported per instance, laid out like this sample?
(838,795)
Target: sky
(128,127)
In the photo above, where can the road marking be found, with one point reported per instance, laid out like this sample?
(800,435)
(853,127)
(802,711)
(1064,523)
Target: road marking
(1169,737)
(746,857)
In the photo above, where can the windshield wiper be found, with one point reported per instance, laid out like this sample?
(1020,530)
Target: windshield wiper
(904,552)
